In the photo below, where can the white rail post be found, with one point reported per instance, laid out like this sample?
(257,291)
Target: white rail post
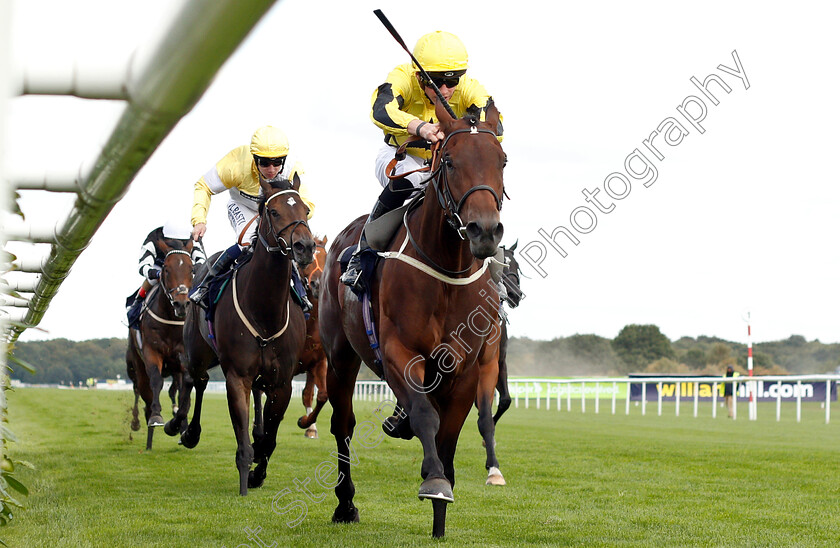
(548,385)
(597,397)
(798,401)
(627,399)
(696,397)
(582,397)
(678,388)
(714,399)
(516,395)
(778,400)
(659,398)
(526,395)
(734,400)
(569,397)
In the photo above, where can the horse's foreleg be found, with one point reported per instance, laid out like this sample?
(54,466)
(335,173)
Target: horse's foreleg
(173,391)
(276,403)
(488,374)
(424,419)
(238,396)
(178,424)
(154,365)
(191,436)
(340,391)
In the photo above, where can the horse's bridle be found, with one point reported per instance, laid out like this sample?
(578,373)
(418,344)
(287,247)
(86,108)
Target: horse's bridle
(283,247)
(181,289)
(440,183)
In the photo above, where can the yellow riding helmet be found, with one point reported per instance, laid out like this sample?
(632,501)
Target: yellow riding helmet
(269,142)
(441,51)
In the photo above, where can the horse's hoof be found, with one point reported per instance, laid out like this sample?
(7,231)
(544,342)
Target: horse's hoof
(135,425)
(156,420)
(188,440)
(254,480)
(495,477)
(436,488)
(349,514)
(311,433)
(170,429)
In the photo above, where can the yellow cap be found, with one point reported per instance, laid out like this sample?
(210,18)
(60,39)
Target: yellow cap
(441,51)
(269,142)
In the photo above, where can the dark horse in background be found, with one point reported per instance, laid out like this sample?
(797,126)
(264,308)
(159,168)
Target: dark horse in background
(490,380)
(156,349)
(258,334)
(434,327)
(312,361)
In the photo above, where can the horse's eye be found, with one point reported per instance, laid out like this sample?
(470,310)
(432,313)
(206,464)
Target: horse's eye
(273,213)
(447,161)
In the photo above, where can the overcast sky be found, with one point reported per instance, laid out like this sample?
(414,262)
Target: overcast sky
(741,216)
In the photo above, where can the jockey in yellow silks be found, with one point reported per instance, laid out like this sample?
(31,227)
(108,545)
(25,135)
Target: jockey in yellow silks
(239,173)
(404,108)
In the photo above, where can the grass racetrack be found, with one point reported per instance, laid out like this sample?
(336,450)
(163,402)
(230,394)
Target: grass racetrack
(573,480)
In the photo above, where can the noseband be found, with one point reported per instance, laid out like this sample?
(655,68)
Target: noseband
(181,289)
(440,183)
(283,247)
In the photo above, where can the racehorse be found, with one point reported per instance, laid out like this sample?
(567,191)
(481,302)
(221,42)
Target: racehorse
(491,380)
(422,303)
(156,349)
(313,361)
(257,335)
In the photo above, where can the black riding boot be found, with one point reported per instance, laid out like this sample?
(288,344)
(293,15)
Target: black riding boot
(300,289)
(392,197)
(222,264)
(352,277)
(133,312)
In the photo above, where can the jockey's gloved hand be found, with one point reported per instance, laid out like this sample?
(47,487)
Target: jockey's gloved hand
(154,274)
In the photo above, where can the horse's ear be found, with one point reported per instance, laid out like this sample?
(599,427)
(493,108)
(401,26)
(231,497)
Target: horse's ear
(492,117)
(513,247)
(295,181)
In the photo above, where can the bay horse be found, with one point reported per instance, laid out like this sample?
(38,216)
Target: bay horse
(423,303)
(491,380)
(156,349)
(257,334)
(312,361)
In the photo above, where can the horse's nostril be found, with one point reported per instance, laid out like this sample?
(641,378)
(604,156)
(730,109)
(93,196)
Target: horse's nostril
(473,231)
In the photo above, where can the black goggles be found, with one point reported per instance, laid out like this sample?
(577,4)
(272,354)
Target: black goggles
(442,81)
(265,162)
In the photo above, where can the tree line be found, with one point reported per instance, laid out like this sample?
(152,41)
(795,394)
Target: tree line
(636,349)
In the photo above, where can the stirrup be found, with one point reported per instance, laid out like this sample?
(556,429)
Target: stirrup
(199,294)
(352,277)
